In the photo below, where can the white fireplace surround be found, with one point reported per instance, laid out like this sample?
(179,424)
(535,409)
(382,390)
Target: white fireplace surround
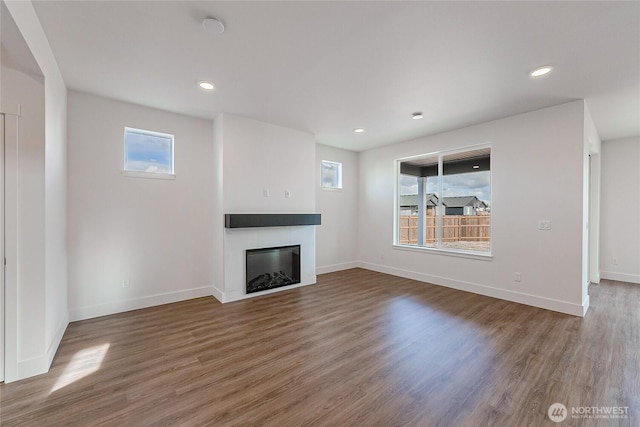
(238,240)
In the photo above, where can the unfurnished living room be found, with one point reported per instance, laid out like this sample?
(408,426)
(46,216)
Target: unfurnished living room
(328,213)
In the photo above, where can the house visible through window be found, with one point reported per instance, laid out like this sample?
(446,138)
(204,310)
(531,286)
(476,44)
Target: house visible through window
(331,174)
(444,201)
(148,152)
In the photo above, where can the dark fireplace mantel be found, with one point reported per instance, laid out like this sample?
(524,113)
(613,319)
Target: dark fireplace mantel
(270,220)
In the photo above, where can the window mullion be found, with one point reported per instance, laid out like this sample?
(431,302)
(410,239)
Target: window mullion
(440,203)
(422,211)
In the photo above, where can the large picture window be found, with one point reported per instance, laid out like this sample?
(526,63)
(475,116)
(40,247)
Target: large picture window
(444,201)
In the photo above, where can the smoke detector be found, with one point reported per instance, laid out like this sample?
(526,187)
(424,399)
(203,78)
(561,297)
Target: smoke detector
(213,25)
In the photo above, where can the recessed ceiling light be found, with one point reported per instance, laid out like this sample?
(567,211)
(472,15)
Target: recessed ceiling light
(358,130)
(416,116)
(206,85)
(213,25)
(541,71)
(476,166)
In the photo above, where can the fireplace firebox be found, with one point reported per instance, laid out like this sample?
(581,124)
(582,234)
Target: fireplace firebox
(269,268)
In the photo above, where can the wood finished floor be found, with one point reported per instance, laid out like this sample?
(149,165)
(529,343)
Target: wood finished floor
(359,348)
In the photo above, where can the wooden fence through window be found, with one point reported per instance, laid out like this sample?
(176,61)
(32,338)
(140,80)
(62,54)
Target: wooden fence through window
(455,228)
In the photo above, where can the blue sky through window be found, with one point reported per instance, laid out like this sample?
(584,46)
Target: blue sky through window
(148,152)
(465,184)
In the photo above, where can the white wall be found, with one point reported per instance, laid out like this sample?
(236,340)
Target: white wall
(218,209)
(56,214)
(593,147)
(38,316)
(25,208)
(337,237)
(258,156)
(537,173)
(620,210)
(155,233)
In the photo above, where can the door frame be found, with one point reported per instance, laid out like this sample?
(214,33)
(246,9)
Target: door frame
(9,278)
(2,256)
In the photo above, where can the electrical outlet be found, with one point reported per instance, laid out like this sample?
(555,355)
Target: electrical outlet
(125,283)
(265,192)
(517,277)
(614,261)
(287,193)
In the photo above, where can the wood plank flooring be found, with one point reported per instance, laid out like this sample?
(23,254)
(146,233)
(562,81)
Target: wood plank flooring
(358,349)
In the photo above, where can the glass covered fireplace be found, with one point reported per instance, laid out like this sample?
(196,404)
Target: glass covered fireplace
(269,268)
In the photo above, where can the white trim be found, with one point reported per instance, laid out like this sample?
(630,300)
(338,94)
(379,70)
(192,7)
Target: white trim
(585,305)
(218,294)
(527,299)
(11,279)
(152,175)
(31,367)
(55,343)
(2,256)
(270,291)
(89,312)
(336,267)
(445,251)
(621,277)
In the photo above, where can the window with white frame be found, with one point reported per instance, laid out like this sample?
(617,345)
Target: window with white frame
(331,176)
(444,200)
(148,152)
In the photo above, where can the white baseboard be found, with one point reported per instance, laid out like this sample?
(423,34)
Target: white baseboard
(527,299)
(231,297)
(336,267)
(55,343)
(621,277)
(41,364)
(89,312)
(585,305)
(218,294)
(32,367)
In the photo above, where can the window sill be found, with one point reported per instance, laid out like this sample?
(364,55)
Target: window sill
(330,189)
(148,175)
(448,252)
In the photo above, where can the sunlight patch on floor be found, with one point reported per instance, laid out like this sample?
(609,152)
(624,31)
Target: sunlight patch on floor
(84,363)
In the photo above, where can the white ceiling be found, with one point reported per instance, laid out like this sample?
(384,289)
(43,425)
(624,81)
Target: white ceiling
(14,51)
(329,67)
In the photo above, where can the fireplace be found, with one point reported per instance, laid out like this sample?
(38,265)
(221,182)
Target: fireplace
(269,268)
(243,235)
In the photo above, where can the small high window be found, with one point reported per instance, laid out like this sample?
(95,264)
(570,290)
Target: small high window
(331,175)
(148,152)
